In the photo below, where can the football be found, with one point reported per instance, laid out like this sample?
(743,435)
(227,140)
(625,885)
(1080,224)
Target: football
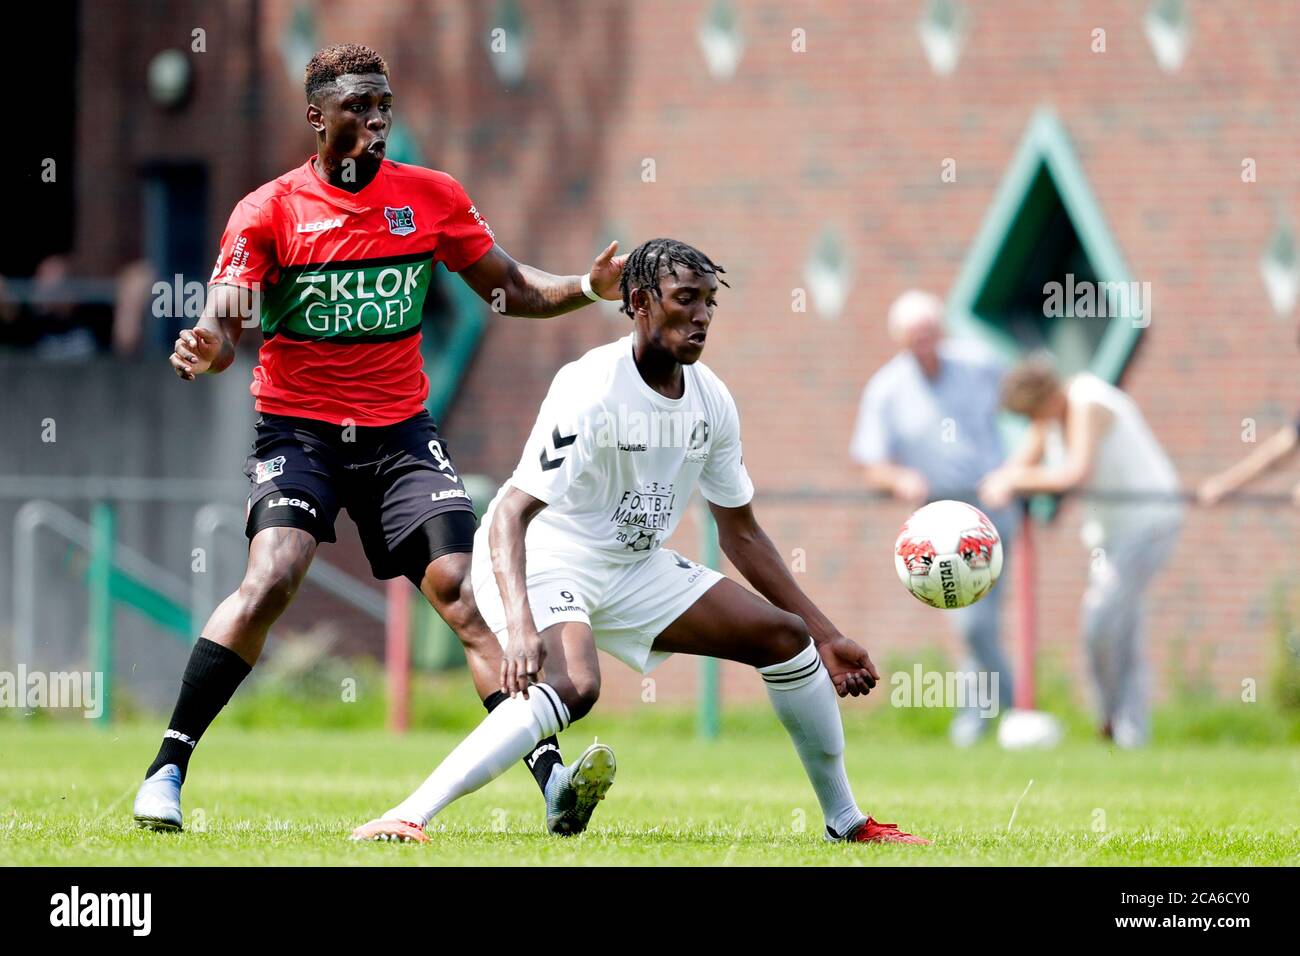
(948,554)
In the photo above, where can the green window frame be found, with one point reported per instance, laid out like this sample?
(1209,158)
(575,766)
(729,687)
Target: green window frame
(1045,146)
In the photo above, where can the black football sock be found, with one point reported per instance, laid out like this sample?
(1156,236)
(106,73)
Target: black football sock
(210,679)
(543,758)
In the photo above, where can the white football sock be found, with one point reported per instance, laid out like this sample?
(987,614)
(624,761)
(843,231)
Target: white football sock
(804,699)
(505,736)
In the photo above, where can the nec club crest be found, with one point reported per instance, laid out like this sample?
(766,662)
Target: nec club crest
(401,221)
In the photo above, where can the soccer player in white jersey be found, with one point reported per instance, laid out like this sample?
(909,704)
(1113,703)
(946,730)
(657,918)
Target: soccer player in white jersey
(569,557)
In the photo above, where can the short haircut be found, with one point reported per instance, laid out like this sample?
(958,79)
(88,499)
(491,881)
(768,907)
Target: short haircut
(338,60)
(1029,385)
(908,307)
(650,259)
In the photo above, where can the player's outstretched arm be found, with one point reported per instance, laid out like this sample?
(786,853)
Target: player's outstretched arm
(749,548)
(1268,455)
(521,290)
(1083,435)
(524,654)
(210,345)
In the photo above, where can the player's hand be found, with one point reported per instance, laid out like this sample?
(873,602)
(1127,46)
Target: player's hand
(522,663)
(194,352)
(912,487)
(1211,492)
(606,272)
(997,489)
(849,665)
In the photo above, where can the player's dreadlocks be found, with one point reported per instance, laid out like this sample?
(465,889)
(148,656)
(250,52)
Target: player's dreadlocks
(339,60)
(645,263)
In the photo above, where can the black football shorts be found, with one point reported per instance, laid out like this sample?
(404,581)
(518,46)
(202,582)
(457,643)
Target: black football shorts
(391,479)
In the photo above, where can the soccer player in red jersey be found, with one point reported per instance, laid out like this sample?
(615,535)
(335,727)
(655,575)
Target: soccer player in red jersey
(335,259)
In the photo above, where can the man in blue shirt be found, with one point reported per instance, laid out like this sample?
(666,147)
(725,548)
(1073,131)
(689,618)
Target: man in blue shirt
(927,430)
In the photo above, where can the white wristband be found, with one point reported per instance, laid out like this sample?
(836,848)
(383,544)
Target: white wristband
(587,290)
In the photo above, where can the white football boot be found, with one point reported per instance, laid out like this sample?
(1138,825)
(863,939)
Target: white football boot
(158,802)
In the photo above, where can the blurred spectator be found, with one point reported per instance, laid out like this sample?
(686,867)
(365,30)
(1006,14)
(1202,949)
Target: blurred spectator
(50,316)
(59,316)
(60,331)
(133,319)
(1089,435)
(927,430)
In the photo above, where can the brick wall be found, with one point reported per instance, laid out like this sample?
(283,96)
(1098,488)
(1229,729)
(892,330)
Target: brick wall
(848,135)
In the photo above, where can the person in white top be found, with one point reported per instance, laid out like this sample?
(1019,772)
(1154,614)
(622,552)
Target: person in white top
(1086,435)
(570,557)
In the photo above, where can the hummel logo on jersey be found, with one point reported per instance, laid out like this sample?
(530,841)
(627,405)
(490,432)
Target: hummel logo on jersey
(320,226)
(401,221)
(558,441)
(629,446)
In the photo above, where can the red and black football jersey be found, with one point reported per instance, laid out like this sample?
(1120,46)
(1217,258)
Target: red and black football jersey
(341,279)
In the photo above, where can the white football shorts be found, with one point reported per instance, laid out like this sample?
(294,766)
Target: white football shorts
(626,605)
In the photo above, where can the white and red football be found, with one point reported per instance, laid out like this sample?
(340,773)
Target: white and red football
(948,554)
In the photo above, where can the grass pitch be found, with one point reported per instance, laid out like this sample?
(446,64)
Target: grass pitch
(257,797)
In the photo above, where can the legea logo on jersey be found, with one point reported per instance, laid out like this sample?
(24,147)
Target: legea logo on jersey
(320,226)
(401,221)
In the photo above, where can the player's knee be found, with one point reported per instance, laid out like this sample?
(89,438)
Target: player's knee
(789,636)
(267,591)
(447,586)
(580,693)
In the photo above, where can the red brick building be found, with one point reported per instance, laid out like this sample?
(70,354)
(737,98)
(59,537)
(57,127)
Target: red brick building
(837,155)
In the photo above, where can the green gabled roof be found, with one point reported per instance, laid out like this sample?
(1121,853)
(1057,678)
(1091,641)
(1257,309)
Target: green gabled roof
(1044,168)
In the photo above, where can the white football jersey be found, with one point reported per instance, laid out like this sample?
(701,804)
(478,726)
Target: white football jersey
(616,462)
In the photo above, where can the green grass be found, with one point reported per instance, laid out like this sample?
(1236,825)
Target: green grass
(261,797)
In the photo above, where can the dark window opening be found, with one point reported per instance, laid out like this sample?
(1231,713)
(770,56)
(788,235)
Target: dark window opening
(1041,247)
(175,230)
